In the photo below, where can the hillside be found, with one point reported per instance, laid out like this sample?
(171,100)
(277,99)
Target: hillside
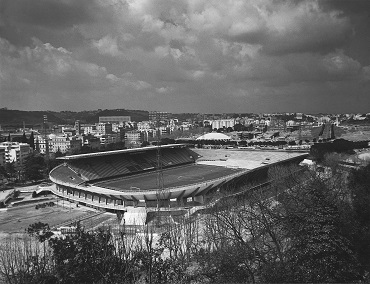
(15,118)
(136,115)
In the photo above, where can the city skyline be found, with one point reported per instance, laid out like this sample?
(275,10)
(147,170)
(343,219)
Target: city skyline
(186,56)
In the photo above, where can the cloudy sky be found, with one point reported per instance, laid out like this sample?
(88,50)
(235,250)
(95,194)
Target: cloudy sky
(186,55)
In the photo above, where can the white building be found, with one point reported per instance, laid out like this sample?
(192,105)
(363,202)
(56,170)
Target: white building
(89,129)
(104,128)
(221,123)
(143,126)
(63,143)
(15,152)
(133,139)
(55,143)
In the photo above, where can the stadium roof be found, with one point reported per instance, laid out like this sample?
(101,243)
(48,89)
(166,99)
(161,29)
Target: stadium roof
(214,136)
(115,152)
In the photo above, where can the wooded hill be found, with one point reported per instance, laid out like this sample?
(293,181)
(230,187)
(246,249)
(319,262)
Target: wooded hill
(15,118)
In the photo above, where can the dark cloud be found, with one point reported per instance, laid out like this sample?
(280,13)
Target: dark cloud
(54,14)
(49,20)
(202,55)
(347,6)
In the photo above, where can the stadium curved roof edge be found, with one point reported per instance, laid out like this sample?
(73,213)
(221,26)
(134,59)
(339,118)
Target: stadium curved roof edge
(214,136)
(107,153)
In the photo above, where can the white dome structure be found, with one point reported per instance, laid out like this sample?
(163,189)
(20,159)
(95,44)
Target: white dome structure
(214,136)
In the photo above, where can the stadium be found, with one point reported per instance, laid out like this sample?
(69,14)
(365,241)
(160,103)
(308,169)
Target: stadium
(168,176)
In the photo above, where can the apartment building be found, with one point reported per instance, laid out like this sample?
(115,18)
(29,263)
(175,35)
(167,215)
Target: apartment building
(104,128)
(55,143)
(14,152)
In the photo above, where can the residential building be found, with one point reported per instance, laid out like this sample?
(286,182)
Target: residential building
(133,139)
(104,128)
(143,126)
(158,115)
(220,123)
(92,142)
(15,152)
(63,143)
(78,127)
(109,139)
(89,129)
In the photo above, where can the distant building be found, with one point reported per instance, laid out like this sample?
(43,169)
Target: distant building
(133,139)
(69,130)
(15,152)
(89,129)
(78,127)
(220,123)
(92,142)
(63,143)
(158,115)
(104,128)
(143,126)
(109,139)
(114,119)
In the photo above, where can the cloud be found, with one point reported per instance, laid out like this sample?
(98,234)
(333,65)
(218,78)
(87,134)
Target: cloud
(185,53)
(57,76)
(107,46)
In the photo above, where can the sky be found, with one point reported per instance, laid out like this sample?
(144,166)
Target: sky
(208,56)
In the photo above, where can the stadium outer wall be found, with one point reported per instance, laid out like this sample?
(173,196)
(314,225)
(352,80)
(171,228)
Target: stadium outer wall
(115,201)
(175,198)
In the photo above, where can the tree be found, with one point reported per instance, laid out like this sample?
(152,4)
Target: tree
(145,144)
(58,153)
(32,141)
(37,145)
(359,184)
(35,167)
(90,257)
(39,230)
(10,169)
(3,173)
(319,248)
(239,127)
(24,138)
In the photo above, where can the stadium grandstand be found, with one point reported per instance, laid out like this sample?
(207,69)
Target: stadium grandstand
(116,180)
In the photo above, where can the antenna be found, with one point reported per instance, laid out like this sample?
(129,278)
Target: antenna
(46,143)
(160,194)
(160,182)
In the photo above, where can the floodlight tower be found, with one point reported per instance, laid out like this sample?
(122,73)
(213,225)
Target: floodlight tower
(45,121)
(160,182)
